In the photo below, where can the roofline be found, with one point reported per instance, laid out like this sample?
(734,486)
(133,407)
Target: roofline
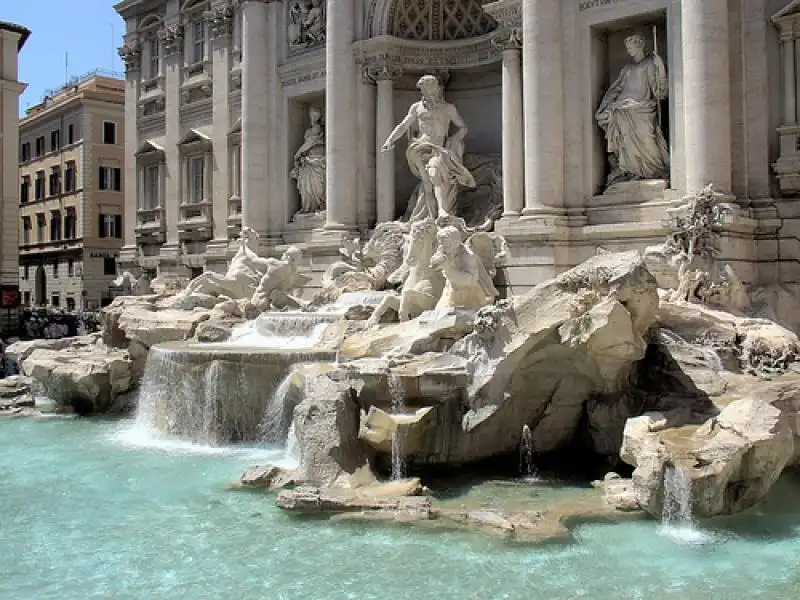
(24,32)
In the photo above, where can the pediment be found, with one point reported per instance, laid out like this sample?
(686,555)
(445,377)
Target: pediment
(147,147)
(791,8)
(194,136)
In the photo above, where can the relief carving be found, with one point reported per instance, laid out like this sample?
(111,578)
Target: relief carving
(306,23)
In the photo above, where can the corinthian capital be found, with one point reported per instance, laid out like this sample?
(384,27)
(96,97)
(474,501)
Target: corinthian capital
(130,55)
(509,38)
(220,20)
(172,38)
(382,72)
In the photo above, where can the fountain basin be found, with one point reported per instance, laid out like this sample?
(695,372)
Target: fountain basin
(215,393)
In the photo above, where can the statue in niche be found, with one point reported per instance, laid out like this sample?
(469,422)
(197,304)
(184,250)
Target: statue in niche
(433,157)
(630,117)
(309,165)
(306,22)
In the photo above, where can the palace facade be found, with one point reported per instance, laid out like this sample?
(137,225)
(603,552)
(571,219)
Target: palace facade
(587,120)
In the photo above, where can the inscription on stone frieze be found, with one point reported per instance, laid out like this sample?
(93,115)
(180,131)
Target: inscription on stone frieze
(589,4)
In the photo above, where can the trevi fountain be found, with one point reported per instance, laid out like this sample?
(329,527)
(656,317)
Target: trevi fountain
(409,427)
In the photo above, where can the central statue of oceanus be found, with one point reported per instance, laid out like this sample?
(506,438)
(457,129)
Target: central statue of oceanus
(433,157)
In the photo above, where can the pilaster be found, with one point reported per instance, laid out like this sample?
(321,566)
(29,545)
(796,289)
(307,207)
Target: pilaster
(131,57)
(384,77)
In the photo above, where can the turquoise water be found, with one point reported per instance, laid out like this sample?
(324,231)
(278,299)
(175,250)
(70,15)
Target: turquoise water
(87,513)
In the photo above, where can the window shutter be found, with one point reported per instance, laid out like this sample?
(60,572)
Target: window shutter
(102,178)
(117,179)
(102,229)
(118,226)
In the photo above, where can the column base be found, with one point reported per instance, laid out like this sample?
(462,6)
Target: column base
(546,217)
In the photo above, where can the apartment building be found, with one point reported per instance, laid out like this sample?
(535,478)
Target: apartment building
(71,200)
(12,38)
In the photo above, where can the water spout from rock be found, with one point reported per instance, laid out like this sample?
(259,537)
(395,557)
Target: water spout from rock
(526,468)
(676,513)
(398,395)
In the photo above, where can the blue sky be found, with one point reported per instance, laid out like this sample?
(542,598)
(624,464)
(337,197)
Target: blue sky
(87,32)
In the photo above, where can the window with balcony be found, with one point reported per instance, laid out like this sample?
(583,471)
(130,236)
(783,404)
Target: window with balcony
(55,226)
(110,178)
(70,222)
(155,58)
(39,186)
(198,49)
(69,177)
(70,303)
(110,226)
(55,181)
(195,183)
(152,187)
(26,230)
(25,190)
(41,227)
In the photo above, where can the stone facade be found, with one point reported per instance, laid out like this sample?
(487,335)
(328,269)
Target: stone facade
(219,93)
(70,194)
(12,38)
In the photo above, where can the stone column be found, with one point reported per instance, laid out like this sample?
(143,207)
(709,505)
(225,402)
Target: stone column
(543,103)
(706,94)
(172,43)
(220,20)
(790,53)
(255,128)
(341,125)
(513,151)
(384,77)
(131,56)
(366,91)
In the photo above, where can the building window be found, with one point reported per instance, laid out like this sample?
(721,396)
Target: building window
(196,174)
(38,192)
(41,227)
(198,41)
(55,140)
(70,133)
(70,267)
(110,226)
(25,190)
(55,300)
(55,181)
(26,232)
(152,186)
(69,177)
(55,226)
(70,222)
(26,298)
(70,303)
(109,266)
(111,178)
(55,269)
(39,146)
(154,57)
(26,272)
(26,152)
(237,172)
(109,132)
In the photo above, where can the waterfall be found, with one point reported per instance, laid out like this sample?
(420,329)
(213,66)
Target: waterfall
(526,468)
(397,392)
(677,508)
(288,330)
(293,454)
(676,513)
(277,417)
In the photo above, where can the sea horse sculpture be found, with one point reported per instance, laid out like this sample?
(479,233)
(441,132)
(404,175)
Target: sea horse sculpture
(422,284)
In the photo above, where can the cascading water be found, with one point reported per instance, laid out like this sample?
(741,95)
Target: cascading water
(397,392)
(526,468)
(672,340)
(676,512)
(290,330)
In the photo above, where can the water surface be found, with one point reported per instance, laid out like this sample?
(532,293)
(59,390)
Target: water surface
(89,511)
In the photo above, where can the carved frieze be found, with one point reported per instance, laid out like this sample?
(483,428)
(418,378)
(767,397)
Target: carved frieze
(220,20)
(130,54)
(172,38)
(306,27)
